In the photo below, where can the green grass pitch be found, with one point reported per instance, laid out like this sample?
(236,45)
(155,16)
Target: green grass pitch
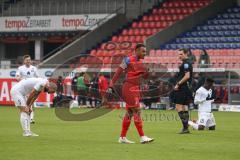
(97,139)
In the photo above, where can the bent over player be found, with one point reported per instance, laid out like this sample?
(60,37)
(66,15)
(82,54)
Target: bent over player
(204,99)
(24,94)
(134,70)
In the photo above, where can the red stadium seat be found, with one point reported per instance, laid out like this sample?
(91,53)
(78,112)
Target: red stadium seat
(155,11)
(140,25)
(136,32)
(114,38)
(132,39)
(125,32)
(151,18)
(126,38)
(156,18)
(142,32)
(130,32)
(152,53)
(93,52)
(159,53)
(176,4)
(134,25)
(145,18)
(152,25)
(149,32)
(146,24)
(138,39)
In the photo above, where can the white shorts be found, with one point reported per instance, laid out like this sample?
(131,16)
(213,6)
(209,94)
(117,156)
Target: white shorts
(206,119)
(19,99)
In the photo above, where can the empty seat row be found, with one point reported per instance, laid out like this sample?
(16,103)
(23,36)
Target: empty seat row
(224,22)
(136,39)
(234,10)
(218,27)
(203,46)
(186,4)
(212,52)
(140,32)
(209,40)
(159,24)
(213,33)
(228,16)
(176,11)
(157,18)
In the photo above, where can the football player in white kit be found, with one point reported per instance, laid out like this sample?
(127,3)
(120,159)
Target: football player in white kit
(27,71)
(24,94)
(204,99)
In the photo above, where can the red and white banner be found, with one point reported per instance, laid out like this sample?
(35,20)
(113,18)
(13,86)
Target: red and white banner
(6,99)
(52,23)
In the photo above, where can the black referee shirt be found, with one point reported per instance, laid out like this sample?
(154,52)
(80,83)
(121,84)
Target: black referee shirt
(185,67)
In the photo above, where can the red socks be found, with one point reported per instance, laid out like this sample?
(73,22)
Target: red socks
(138,124)
(125,125)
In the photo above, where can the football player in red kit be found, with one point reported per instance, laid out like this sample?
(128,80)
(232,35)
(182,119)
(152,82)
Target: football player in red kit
(135,71)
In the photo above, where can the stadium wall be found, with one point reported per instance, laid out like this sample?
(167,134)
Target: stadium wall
(134,8)
(155,41)
(86,42)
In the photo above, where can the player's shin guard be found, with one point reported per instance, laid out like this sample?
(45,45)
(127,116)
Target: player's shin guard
(125,125)
(138,124)
(184,116)
(25,121)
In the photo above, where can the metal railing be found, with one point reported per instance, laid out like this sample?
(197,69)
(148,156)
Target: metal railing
(60,7)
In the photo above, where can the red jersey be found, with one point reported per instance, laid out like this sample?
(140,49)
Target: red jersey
(102,84)
(134,68)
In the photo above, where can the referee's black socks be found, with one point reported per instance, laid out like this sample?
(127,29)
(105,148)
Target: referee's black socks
(184,116)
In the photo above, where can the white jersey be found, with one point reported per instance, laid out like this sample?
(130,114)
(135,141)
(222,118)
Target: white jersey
(25,86)
(27,72)
(200,99)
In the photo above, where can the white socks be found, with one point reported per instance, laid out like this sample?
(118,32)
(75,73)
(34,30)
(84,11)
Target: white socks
(194,125)
(25,121)
(31,115)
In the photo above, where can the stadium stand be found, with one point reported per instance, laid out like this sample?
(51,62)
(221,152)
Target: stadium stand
(219,36)
(150,23)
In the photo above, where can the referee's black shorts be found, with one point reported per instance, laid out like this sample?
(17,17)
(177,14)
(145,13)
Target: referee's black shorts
(182,96)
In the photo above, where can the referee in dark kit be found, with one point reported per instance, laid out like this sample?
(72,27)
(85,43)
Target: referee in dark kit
(182,93)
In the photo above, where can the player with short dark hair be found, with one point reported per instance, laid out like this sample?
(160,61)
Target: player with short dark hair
(182,93)
(204,99)
(135,71)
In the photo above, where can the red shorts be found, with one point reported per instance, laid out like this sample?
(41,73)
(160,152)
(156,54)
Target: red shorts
(131,95)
